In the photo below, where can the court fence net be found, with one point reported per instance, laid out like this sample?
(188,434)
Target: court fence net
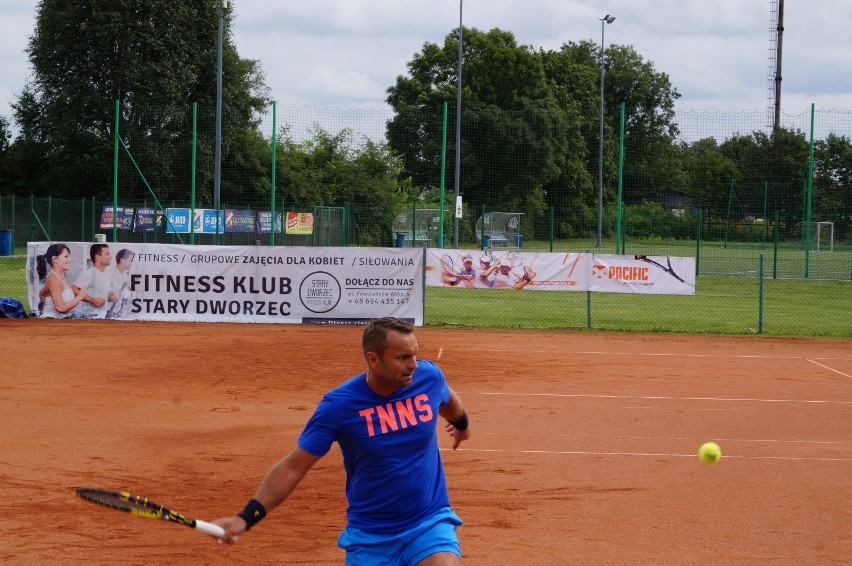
(765,212)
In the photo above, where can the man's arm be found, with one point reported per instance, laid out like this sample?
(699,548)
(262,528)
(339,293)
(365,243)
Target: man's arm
(457,422)
(280,481)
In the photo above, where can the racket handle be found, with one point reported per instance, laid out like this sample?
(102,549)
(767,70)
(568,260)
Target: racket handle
(209,528)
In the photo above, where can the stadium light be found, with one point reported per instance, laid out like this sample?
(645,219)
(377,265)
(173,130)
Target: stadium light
(608,20)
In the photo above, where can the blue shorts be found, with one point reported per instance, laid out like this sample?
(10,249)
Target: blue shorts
(436,534)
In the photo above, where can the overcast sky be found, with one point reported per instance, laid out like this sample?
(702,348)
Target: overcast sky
(346,53)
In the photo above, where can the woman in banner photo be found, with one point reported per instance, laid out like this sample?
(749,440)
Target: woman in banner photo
(385,421)
(56,297)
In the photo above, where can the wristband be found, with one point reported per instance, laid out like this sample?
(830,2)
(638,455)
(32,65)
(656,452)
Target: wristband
(460,423)
(252,513)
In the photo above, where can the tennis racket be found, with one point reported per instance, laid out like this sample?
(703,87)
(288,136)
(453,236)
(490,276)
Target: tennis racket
(447,264)
(668,269)
(142,507)
(514,259)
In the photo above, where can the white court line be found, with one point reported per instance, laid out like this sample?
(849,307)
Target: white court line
(725,440)
(830,369)
(660,397)
(642,454)
(673,355)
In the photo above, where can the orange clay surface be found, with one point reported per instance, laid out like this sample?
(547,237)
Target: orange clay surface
(584,446)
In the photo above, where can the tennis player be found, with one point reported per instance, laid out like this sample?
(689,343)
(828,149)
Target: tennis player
(385,421)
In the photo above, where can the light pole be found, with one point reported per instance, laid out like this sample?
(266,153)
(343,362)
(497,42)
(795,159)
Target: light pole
(217,149)
(605,20)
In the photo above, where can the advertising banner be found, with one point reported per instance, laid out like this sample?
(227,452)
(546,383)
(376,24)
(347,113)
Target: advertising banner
(301,223)
(237,283)
(145,220)
(545,271)
(264,222)
(206,223)
(177,220)
(123,215)
(239,220)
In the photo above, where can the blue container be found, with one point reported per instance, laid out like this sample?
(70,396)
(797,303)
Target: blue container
(486,241)
(400,239)
(5,242)
(519,240)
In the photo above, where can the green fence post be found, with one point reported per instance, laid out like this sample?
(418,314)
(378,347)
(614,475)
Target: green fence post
(589,306)
(775,248)
(192,175)
(618,242)
(95,223)
(482,230)
(760,298)
(728,214)
(697,239)
(273,169)
(810,196)
(83,219)
(551,227)
(443,176)
(765,220)
(114,174)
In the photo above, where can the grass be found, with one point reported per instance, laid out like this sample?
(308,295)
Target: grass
(721,305)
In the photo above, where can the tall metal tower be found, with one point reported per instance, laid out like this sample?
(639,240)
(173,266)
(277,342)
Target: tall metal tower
(776,33)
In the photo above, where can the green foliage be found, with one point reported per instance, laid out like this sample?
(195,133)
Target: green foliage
(156,54)
(652,220)
(332,170)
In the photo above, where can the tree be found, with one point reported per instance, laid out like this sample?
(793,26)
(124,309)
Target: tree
(515,138)
(333,169)
(155,57)
(832,187)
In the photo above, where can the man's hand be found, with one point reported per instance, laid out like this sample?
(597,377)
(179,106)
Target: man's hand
(458,435)
(234,526)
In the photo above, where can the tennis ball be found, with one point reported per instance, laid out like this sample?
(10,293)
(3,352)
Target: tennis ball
(710,453)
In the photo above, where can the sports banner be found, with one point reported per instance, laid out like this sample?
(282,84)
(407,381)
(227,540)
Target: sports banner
(544,271)
(123,217)
(301,223)
(650,275)
(239,283)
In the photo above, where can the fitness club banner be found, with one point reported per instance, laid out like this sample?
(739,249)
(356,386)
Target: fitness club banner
(543,271)
(235,283)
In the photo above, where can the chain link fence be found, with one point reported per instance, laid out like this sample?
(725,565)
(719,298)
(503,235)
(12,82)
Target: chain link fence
(766,213)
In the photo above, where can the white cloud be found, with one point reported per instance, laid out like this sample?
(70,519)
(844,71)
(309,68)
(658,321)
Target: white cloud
(346,54)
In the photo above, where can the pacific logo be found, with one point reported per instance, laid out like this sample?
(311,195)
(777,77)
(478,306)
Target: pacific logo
(622,272)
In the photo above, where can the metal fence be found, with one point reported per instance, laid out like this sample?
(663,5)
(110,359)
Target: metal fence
(750,204)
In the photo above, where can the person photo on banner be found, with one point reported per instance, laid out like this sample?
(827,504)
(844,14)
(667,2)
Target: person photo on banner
(57,297)
(487,269)
(467,273)
(96,282)
(119,275)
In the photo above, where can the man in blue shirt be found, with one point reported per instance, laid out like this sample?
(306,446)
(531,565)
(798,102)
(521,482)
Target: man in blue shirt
(385,421)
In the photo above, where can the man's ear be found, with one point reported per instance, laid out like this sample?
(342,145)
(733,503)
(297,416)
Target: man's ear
(372,358)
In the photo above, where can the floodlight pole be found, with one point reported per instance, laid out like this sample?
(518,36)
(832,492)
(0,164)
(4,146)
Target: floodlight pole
(608,20)
(458,131)
(217,159)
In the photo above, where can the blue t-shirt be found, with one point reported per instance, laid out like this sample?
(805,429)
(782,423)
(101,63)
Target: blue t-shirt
(394,476)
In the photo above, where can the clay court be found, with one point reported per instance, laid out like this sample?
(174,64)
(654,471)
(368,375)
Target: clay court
(583,448)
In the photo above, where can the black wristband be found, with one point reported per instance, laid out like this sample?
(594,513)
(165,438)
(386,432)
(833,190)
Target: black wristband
(460,423)
(252,513)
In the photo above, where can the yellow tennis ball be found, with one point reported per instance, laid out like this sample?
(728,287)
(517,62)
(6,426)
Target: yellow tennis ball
(710,453)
